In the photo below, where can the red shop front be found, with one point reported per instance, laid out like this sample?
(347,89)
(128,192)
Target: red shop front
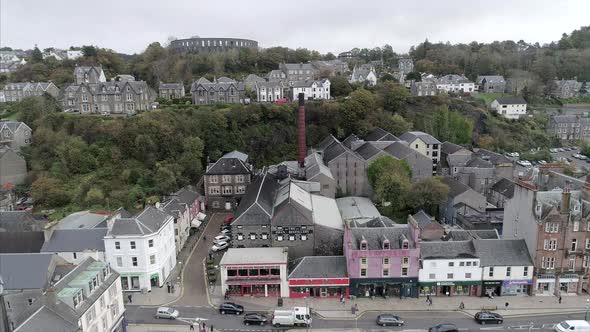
(319,287)
(254,288)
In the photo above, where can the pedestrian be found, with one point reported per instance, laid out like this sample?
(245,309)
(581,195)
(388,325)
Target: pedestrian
(210,256)
(204,327)
(559,299)
(191,326)
(430,302)
(462,305)
(427,298)
(506,305)
(342,298)
(356,308)
(168,285)
(129,298)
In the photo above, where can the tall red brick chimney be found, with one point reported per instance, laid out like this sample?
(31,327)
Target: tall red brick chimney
(301,146)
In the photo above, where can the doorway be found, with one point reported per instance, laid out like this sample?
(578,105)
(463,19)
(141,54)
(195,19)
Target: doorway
(323,292)
(446,290)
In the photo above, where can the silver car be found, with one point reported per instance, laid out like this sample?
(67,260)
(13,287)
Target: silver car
(166,313)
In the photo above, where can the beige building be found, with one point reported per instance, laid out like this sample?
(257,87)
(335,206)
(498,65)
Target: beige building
(424,143)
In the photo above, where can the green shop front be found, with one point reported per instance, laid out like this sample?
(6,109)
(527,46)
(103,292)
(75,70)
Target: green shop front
(384,287)
(451,288)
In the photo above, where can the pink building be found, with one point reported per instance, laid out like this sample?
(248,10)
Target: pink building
(382,258)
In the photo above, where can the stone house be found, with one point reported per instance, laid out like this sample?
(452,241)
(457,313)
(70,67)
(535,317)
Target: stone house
(331,67)
(556,228)
(491,83)
(382,260)
(171,90)
(299,72)
(569,127)
(269,91)
(424,143)
(182,221)
(15,92)
(420,164)
(504,168)
(455,83)
(226,181)
(317,171)
(113,97)
(430,229)
(89,75)
(13,167)
(364,74)
(15,134)
(251,80)
(565,88)
(459,195)
(76,245)
(221,90)
(501,191)
(424,88)
(21,232)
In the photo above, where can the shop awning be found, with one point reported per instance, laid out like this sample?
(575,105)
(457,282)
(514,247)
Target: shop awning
(252,282)
(154,275)
(195,223)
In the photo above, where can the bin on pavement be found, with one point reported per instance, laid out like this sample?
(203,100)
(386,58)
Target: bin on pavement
(280,302)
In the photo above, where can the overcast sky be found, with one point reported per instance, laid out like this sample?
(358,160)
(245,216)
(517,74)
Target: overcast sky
(128,26)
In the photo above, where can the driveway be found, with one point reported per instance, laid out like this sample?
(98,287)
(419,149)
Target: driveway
(194,292)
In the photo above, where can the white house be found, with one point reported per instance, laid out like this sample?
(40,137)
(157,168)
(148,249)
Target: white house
(142,249)
(455,83)
(76,245)
(74,54)
(364,74)
(269,91)
(255,272)
(182,220)
(507,267)
(311,89)
(449,268)
(510,108)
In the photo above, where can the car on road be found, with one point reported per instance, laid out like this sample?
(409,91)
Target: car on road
(524,163)
(255,319)
(219,246)
(221,238)
(166,313)
(389,320)
(485,317)
(228,219)
(573,325)
(230,308)
(445,327)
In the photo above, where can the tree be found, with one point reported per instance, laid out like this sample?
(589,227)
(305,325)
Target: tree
(399,125)
(340,87)
(94,197)
(390,179)
(89,51)
(49,192)
(393,96)
(428,194)
(36,55)
(414,76)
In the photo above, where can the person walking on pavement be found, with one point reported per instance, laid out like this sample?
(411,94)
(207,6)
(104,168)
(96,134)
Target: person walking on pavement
(191,327)
(130,298)
(559,299)
(427,298)
(169,287)
(430,302)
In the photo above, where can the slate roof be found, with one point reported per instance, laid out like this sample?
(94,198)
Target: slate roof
(314,166)
(174,208)
(503,252)
(376,235)
(456,188)
(410,136)
(452,79)
(465,235)
(423,219)
(82,219)
(254,78)
(25,271)
(450,148)
(186,196)
(349,140)
(75,240)
(292,205)
(148,221)
(309,83)
(234,162)
(379,134)
(565,118)
(175,86)
(20,221)
(46,320)
(357,208)
(493,157)
(447,250)
(21,242)
(298,66)
(495,79)
(504,187)
(256,206)
(319,267)
(381,221)
(367,151)
(327,142)
(12,125)
(477,162)
(511,101)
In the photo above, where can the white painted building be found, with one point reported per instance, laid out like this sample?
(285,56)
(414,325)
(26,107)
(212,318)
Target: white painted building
(182,220)
(455,83)
(449,268)
(142,249)
(269,91)
(255,272)
(74,54)
(319,90)
(510,108)
(364,74)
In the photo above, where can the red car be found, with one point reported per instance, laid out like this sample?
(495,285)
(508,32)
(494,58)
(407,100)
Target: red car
(228,219)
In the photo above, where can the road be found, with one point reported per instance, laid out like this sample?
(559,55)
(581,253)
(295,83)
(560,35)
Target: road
(415,321)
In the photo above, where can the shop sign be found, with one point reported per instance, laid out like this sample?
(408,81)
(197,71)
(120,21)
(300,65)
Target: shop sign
(445,283)
(517,282)
(492,283)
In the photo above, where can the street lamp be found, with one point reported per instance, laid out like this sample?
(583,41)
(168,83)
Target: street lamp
(587,307)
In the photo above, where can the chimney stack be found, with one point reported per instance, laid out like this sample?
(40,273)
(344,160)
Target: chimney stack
(565,199)
(301,146)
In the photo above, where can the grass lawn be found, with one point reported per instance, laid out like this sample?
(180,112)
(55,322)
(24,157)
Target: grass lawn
(9,116)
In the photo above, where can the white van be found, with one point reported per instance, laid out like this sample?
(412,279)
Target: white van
(298,316)
(573,325)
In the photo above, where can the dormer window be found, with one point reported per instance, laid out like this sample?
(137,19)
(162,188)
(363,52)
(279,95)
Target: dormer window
(405,244)
(364,245)
(386,245)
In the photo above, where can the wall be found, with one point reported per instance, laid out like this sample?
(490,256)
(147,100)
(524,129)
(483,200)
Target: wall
(350,174)
(81,256)
(519,222)
(106,312)
(516,273)
(440,268)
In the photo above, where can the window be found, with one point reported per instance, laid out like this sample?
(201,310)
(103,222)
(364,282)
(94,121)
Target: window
(508,271)
(118,97)
(550,244)
(474,263)
(252,236)
(386,272)
(101,301)
(265,236)
(240,178)
(90,315)
(574,245)
(468,263)
(491,272)
(104,322)
(215,190)
(548,263)
(551,227)
(84,97)
(280,238)
(386,245)
(576,226)
(405,261)
(586,261)
(291,237)
(134,261)
(303,237)
(449,276)
(30,301)
(240,236)
(132,244)
(363,245)
(74,255)
(467,275)
(119,261)
(461,263)
(451,264)
(404,271)
(363,272)
(213,179)
(572,264)
(587,244)
(152,259)
(385,260)
(240,189)
(118,245)
(151,243)
(226,179)
(129,97)
(363,260)
(227,190)
(525,272)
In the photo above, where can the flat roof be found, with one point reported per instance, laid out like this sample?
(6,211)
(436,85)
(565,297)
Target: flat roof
(355,208)
(254,256)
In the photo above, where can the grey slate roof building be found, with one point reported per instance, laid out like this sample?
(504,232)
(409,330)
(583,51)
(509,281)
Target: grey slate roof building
(21,232)
(430,229)
(410,136)
(381,221)
(26,271)
(83,219)
(21,221)
(45,319)
(465,235)
(171,90)
(75,240)
(511,100)
(319,267)
(380,134)
(447,250)
(221,90)
(503,252)
(374,236)
(368,151)
(420,164)
(491,83)
(423,219)
(226,180)
(147,221)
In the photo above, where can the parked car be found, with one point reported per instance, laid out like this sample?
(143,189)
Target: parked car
(166,313)
(445,327)
(542,162)
(225,226)
(389,320)
(554,150)
(524,163)
(485,317)
(225,231)
(221,238)
(220,246)
(573,325)
(228,219)
(230,308)
(255,319)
